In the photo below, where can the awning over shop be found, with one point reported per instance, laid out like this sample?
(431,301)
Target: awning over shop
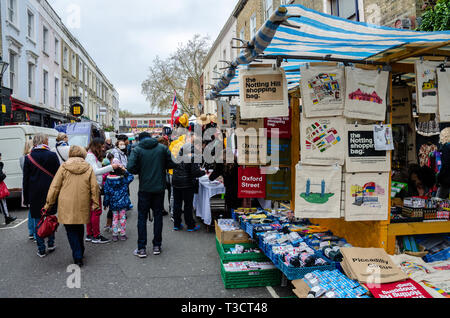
(315,36)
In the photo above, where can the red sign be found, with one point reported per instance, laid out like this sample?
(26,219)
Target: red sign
(281,123)
(133,123)
(404,289)
(252,184)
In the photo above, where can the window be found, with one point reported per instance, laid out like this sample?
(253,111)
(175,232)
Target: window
(45,40)
(30,80)
(242,34)
(30,25)
(66,58)
(56,50)
(56,92)
(12,11)
(252,26)
(85,77)
(74,65)
(45,83)
(12,71)
(347,9)
(269,8)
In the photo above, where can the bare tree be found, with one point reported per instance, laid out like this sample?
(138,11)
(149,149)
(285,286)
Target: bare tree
(169,75)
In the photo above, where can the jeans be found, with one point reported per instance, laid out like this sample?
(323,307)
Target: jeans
(75,235)
(147,201)
(4,208)
(31,226)
(185,196)
(41,242)
(93,228)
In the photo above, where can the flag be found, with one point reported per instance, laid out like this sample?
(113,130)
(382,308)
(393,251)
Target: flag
(174,108)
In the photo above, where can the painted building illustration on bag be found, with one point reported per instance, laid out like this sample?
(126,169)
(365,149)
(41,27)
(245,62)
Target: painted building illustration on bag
(316,198)
(360,95)
(429,88)
(367,195)
(321,137)
(325,88)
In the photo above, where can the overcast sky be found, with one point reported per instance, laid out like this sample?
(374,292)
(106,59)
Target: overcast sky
(124,36)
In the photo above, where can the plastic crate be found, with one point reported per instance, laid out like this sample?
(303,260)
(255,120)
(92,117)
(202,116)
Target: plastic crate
(255,278)
(439,256)
(293,273)
(223,248)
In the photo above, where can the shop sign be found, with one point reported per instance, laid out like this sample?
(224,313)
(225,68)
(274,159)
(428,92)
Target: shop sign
(252,184)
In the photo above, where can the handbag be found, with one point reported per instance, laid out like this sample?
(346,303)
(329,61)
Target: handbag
(4,192)
(47,225)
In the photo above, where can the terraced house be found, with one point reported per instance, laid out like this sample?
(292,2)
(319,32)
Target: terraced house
(48,66)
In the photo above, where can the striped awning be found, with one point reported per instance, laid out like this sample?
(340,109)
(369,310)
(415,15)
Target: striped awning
(316,36)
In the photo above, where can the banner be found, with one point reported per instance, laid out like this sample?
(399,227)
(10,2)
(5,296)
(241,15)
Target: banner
(405,289)
(278,185)
(283,124)
(444,95)
(252,184)
(401,105)
(361,155)
(365,94)
(223,114)
(263,93)
(426,87)
(366,196)
(318,192)
(323,91)
(322,140)
(284,151)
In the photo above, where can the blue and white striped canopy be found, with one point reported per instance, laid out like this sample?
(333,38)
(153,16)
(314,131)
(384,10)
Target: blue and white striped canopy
(322,36)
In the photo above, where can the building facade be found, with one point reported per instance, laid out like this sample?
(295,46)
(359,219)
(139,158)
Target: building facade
(48,66)
(143,122)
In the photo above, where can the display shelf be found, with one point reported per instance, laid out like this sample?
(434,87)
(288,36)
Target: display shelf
(401,229)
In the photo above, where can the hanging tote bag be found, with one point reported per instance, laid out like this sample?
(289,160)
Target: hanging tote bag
(47,225)
(4,192)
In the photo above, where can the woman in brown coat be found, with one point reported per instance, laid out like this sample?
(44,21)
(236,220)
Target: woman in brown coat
(74,188)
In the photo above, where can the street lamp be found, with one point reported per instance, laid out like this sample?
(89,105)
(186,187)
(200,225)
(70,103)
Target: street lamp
(3,66)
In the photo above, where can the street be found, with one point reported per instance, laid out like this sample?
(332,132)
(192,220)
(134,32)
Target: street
(189,266)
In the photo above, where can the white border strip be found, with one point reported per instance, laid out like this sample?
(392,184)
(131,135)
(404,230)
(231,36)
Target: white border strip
(13,227)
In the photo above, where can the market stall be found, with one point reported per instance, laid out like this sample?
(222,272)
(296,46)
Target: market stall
(365,110)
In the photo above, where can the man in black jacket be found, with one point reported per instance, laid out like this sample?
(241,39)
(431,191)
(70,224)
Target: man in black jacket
(185,184)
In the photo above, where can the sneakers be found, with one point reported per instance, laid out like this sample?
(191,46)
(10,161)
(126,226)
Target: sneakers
(123,237)
(115,238)
(51,249)
(175,228)
(89,238)
(156,250)
(165,213)
(41,254)
(195,229)
(79,262)
(100,240)
(140,253)
(31,237)
(10,219)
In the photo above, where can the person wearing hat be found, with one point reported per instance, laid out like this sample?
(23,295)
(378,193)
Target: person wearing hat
(184,120)
(150,160)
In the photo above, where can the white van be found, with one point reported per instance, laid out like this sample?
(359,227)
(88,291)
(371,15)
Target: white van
(12,144)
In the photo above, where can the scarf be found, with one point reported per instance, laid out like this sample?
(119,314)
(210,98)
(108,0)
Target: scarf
(42,146)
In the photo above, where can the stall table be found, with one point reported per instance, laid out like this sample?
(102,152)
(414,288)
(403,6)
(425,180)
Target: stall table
(202,201)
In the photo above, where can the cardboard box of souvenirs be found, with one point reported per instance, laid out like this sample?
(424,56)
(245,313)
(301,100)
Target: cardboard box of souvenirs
(231,237)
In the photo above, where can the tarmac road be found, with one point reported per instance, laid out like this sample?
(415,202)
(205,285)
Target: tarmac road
(188,267)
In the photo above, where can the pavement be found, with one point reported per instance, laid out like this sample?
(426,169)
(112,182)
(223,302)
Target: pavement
(188,267)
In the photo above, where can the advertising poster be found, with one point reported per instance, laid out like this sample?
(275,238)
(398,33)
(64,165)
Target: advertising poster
(444,95)
(323,91)
(361,155)
(403,289)
(252,150)
(278,185)
(283,155)
(252,184)
(366,196)
(283,124)
(365,96)
(323,140)
(263,93)
(401,105)
(318,191)
(426,81)
(223,114)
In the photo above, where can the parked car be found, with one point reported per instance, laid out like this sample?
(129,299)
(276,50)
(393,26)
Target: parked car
(81,134)
(12,144)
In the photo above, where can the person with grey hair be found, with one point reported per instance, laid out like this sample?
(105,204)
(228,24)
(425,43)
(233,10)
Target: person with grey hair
(39,169)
